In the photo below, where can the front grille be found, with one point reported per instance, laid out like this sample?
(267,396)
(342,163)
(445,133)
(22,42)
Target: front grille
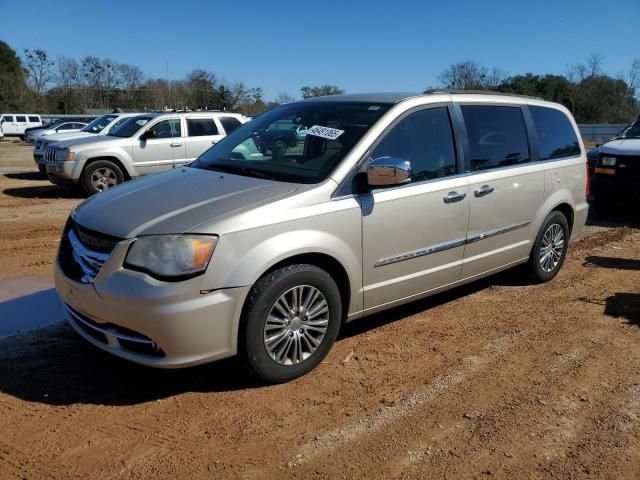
(83,252)
(631,165)
(103,332)
(49,155)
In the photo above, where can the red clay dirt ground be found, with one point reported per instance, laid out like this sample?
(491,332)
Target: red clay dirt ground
(499,379)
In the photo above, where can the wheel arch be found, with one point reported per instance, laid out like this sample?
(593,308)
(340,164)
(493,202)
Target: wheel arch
(109,158)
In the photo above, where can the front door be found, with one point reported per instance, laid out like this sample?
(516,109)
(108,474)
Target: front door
(506,188)
(414,234)
(160,148)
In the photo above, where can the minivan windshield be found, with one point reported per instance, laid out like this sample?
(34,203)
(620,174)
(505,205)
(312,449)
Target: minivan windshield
(99,124)
(299,142)
(129,127)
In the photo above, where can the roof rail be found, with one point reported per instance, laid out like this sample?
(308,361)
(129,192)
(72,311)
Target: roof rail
(454,91)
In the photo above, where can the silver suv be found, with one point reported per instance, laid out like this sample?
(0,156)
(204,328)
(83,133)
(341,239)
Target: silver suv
(265,253)
(146,143)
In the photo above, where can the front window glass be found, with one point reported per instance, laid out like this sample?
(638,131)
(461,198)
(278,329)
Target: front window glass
(271,145)
(99,124)
(632,131)
(130,127)
(425,139)
(165,129)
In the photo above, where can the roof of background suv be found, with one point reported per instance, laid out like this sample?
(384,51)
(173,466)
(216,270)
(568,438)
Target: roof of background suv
(398,97)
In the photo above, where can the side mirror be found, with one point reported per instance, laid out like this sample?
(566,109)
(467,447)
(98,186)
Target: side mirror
(147,135)
(388,171)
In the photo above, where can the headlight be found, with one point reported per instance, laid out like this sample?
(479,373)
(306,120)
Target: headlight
(608,161)
(65,155)
(171,256)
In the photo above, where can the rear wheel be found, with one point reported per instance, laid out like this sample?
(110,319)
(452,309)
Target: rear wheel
(100,175)
(550,248)
(291,320)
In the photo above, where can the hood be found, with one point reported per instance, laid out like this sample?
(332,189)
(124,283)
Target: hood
(55,137)
(94,140)
(174,202)
(629,146)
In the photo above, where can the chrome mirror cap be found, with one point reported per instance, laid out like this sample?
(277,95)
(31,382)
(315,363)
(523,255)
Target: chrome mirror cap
(386,171)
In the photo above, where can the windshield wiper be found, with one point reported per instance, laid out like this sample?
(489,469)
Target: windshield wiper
(247,171)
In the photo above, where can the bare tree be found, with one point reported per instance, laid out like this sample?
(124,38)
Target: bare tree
(594,64)
(321,91)
(283,98)
(634,77)
(39,68)
(67,74)
(467,75)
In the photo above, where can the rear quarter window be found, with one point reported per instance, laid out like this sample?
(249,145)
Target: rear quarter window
(229,124)
(34,119)
(555,134)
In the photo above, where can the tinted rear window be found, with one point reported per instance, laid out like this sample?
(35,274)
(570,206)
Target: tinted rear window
(20,118)
(497,136)
(229,124)
(556,136)
(34,119)
(200,127)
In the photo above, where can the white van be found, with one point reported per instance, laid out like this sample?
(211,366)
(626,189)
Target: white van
(17,123)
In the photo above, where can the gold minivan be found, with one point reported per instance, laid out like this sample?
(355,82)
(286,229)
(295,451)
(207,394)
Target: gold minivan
(264,251)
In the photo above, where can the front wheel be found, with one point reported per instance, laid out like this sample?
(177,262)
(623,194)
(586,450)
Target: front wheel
(550,248)
(290,321)
(99,176)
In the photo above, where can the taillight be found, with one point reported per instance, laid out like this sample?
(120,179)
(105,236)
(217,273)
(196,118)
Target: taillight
(588,186)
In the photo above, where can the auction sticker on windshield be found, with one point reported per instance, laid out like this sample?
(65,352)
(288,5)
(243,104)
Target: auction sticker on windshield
(325,132)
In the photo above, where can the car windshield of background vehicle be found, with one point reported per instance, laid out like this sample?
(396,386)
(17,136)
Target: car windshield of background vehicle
(272,146)
(632,131)
(99,124)
(129,127)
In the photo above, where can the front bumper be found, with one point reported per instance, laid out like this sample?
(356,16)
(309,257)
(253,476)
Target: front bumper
(62,173)
(614,186)
(153,323)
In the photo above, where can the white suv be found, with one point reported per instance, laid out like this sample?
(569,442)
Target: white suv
(100,126)
(147,143)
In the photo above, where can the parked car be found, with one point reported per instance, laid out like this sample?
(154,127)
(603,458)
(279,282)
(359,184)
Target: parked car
(147,143)
(100,126)
(63,126)
(392,198)
(616,167)
(1,134)
(15,124)
(278,138)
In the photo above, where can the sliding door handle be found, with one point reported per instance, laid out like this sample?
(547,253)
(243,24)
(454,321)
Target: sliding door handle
(483,191)
(453,197)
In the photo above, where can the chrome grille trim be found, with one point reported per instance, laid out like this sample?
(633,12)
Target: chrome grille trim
(106,330)
(89,261)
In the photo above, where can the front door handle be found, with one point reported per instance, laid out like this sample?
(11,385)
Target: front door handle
(453,197)
(483,191)
(176,144)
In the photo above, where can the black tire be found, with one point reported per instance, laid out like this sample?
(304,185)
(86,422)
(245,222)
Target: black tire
(262,298)
(43,170)
(544,271)
(112,173)
(279,148)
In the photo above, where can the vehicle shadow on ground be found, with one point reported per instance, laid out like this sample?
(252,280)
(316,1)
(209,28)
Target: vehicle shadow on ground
(26,176)
(623,215)
(45,191)
(612,262)
(56,366)
(27,312)
(624,305)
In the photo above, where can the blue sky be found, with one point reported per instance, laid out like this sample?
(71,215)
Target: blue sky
(361,46)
